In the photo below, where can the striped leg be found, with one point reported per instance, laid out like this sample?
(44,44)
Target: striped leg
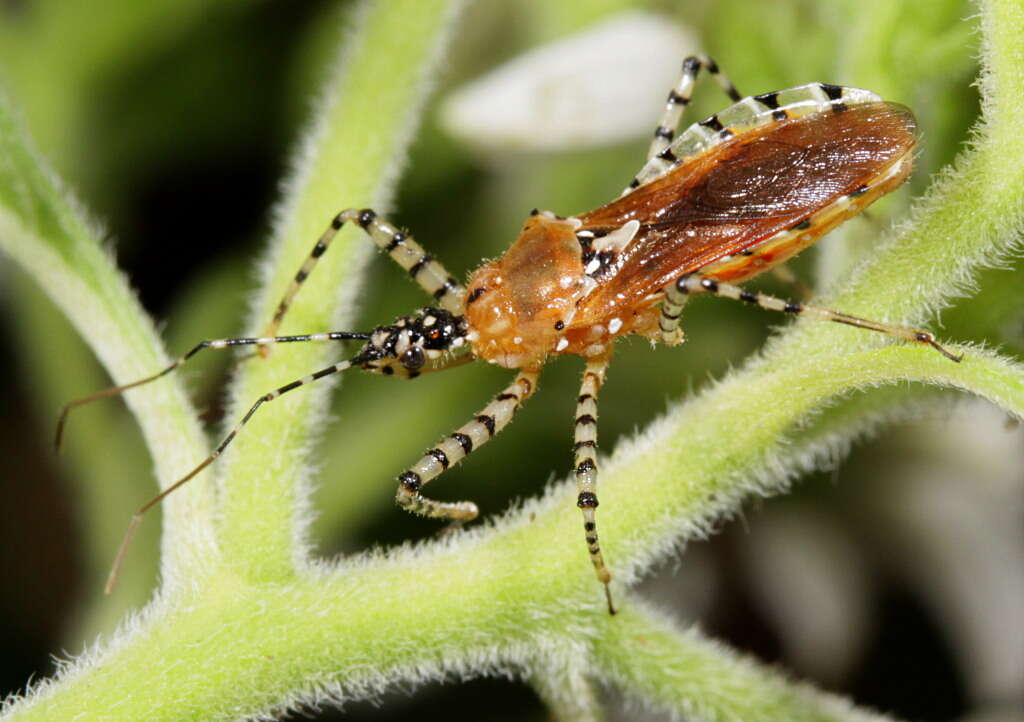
(212,343)
(695,283)
(585,461)
(407,253)
(453,448)
(679,98)
(267,397)
(668,322)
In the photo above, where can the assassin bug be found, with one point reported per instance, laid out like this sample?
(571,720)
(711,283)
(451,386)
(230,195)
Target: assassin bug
(732,196)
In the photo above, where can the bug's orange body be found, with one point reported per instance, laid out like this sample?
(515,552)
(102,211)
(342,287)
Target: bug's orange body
(731,213)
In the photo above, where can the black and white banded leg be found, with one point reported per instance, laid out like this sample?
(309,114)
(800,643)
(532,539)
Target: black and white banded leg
(406,252)
(679,98)
(668,322)
(585,461)
(456,446)
(695,283)
(218,343)
(265,398)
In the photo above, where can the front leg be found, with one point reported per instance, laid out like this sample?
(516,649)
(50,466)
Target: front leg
(406,252)
(453,448)
(585,460)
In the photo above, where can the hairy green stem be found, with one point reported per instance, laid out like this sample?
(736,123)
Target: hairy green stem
(699,680)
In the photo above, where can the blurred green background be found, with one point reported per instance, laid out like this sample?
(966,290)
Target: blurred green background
(173,121)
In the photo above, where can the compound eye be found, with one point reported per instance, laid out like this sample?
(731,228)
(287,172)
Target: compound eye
(413,358)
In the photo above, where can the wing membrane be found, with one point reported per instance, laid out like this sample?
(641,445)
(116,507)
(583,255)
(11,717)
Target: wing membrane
(756,184)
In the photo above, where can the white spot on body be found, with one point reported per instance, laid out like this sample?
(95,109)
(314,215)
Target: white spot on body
(563,343)
(429,321)
(619,238)
(614,325)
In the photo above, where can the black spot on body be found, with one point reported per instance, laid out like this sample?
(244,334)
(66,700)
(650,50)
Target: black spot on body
(769,100)
(488,422)
(475,294)
(834,92)
(713,123)
(802,225)
(586,466)
(585,419)
(792,307)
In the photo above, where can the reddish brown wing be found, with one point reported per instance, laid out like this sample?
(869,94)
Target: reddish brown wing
(739,193)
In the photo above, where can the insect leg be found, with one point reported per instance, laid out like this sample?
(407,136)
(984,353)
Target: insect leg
(267,397)
(695,283)
(211,343)
(585,460)
(671,310)
(406,252)
(679,98)
(453,448)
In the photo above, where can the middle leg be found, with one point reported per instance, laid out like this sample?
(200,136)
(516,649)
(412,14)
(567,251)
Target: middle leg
(585,461)
(454,447)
